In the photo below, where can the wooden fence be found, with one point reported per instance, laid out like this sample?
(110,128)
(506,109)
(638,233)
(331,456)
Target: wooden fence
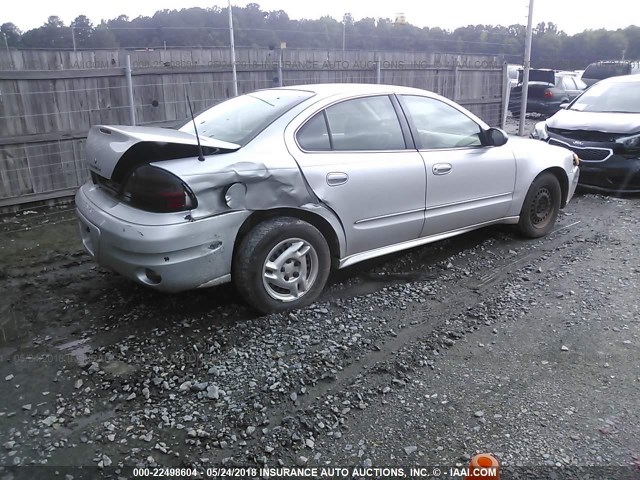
(49,99)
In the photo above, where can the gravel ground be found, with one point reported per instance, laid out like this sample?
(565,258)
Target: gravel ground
(486,342)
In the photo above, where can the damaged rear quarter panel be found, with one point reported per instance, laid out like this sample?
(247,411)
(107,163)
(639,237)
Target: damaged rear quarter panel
(268,177)
(263,175)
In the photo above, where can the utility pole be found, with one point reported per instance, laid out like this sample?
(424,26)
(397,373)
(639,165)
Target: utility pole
(73,37)
(9,57)
(344,30)
(527,67)
(132,108)
(233,53)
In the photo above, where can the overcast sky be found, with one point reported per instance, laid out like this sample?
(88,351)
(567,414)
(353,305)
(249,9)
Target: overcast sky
(570,16)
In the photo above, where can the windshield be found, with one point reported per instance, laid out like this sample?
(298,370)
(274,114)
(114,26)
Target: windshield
(610,97)
(239,119)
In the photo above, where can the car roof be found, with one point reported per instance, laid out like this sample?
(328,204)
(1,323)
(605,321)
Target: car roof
(620,62)
(328,89)
(633,78)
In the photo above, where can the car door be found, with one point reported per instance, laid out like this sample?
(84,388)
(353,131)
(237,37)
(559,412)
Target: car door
(355,157)
(468,183)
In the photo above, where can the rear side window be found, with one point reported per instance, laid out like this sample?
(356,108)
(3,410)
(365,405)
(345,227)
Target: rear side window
(580,84)
(568,83)
(314,134)
(367,123)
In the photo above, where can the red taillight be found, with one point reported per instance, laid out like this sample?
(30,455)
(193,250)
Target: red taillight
(156,190)
(548,93)
(174,201)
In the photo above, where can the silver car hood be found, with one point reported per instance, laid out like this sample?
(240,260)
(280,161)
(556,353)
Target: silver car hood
(120,148)
(625,123)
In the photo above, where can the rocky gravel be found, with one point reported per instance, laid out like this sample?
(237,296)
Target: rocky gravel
(529,350)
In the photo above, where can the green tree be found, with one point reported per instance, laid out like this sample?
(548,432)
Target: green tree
(11,33)
(255,27)
(632,34)
(83,31)
(53,34)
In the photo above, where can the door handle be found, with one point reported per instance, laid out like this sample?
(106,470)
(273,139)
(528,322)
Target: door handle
(337,178)
(441,168)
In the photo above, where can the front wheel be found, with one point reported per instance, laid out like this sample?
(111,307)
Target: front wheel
(541,206)
(281,264)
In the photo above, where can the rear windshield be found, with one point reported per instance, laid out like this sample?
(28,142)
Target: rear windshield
(239,119)
(599,71)
(619,97)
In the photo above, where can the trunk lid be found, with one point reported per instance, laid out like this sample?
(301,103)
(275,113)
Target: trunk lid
(538,75)
(537,90)
(112,152)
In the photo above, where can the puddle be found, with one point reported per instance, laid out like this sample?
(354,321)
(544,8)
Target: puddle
(78,349)
(9,325)
(119,369)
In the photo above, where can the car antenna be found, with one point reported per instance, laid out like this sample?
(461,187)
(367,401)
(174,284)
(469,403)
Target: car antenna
(200,154)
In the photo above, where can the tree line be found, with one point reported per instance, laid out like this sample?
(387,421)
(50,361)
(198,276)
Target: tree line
(254,27)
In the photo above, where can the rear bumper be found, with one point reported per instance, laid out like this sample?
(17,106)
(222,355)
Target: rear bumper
(537,106)
(170,258)
(541,106)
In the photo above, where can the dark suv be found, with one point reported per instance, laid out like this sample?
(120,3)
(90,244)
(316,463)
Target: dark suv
(609,68)
(547,91)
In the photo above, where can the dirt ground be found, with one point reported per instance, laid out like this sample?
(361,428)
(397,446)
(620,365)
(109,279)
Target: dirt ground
(527,349)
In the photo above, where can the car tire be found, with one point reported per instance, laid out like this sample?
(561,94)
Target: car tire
(541,206)
(282,263)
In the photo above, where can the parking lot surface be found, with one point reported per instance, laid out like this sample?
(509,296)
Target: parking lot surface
(528,349)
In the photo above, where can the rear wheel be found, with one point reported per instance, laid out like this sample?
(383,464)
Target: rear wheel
(541,206)
(282,263)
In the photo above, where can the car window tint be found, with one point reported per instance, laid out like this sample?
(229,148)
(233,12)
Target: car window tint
(314,135)
(368,123)
(440,125)
(240,119)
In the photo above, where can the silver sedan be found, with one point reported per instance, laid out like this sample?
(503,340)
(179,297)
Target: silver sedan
(273,189)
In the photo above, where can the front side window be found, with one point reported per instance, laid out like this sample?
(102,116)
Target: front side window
(440,125)
(239,119)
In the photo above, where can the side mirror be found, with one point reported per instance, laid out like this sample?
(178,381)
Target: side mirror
(496,137)
(564,106)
